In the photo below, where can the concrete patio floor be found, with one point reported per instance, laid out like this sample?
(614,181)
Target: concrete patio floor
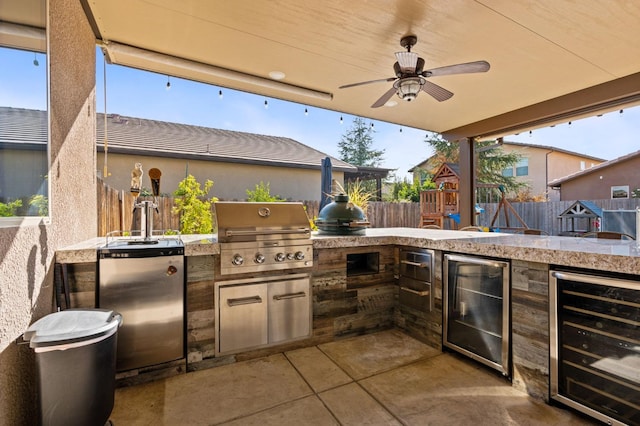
(387,378)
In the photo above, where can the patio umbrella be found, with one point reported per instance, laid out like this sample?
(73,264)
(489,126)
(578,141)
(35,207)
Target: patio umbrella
(325,182)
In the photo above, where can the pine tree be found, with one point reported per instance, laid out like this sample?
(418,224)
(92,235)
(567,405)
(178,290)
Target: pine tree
(356,145)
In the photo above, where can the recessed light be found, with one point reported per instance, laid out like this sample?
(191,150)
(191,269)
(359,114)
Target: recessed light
(277,75)
(391,103)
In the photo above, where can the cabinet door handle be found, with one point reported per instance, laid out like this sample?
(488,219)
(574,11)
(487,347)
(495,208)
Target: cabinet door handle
(289,295)
(419,293)
(419,265)
(244,301)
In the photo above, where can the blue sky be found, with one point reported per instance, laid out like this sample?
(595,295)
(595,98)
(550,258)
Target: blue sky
(142,94)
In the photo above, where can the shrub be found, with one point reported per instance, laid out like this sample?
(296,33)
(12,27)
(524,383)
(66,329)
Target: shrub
(262,194)
(193,206)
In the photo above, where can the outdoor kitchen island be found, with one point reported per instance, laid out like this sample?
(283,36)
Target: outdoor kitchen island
(355,290)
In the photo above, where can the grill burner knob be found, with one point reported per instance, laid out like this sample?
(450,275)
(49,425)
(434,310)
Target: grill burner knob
(280,257)
(299,255)
(259,258)
(237,259)
(290,256)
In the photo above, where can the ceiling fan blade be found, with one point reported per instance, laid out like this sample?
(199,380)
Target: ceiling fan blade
(384,98)
(366,82)
(466,68)
(439,93)
(407,61)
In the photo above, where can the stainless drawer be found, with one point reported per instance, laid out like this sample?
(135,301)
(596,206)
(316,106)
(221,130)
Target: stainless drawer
(417,264)
(416,294)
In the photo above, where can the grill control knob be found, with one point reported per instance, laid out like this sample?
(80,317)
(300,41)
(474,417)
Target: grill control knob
(259,258)
(280,257)
(237,259)
(290,256)
(299,255)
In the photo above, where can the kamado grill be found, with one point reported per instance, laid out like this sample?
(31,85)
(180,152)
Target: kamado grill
(342,218)
(263,290)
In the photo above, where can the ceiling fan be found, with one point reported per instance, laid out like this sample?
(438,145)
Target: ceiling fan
(411,77)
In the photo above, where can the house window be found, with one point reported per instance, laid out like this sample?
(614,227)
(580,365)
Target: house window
(522,167)
(583,165)
(620,191)
(24,141)
(508,172)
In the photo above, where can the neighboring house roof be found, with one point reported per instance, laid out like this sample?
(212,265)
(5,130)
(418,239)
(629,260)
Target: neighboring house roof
(553,148)
(526,145)
(131,135)
(27,129)
(23,128)
(597,168)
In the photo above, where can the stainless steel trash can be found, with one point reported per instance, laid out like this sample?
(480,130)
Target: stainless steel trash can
(75,354)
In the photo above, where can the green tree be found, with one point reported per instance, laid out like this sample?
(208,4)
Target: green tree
(193,206)
(403,190)
(262,193)
(356,145)
(490,162)
(356,148)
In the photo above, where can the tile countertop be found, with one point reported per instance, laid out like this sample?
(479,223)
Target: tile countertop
(588,253)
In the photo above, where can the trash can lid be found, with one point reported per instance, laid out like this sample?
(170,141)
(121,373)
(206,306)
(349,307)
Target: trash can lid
(72,325)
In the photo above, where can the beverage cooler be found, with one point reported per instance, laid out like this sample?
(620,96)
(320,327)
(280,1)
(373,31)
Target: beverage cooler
(595,345)
(476,309)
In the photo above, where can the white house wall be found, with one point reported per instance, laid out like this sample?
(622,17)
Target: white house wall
(230,180)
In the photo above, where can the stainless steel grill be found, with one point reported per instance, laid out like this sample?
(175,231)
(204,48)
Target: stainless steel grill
(258,237)
(263,291)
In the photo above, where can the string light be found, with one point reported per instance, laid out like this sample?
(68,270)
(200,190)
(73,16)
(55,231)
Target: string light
(400,129)
(569,123)
(621,111)
(220,94)
(168,83)
(266,104)
(306,111)
(530,133)
(35,60)
(340,119)
(372,125)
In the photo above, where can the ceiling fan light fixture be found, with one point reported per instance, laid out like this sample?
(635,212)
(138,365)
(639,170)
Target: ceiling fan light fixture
(408,88)
(407,61)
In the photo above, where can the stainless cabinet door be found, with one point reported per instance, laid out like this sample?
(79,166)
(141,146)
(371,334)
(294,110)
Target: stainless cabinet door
(289,309)
(151,303)
(243,317)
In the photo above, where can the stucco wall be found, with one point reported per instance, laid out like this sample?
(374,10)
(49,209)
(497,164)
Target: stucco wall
(597,185)
(230,180)
(541,172)
(27,253)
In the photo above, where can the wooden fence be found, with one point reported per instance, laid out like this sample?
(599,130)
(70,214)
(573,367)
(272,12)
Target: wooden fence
(116,212)
(545,216)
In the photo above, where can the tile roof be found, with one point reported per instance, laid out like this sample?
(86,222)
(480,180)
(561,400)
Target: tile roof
(160,138)
(597,168)
(130,135)
(27,127)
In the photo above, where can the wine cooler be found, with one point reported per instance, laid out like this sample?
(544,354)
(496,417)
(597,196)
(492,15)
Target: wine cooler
(595,345)
(476,312)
